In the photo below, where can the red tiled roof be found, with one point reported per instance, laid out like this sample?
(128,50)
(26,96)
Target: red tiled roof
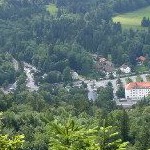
(138,85)
(141,58)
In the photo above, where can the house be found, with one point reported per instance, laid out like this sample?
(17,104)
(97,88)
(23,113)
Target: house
(141,59)
(75,75)
(125,69)
(105,65)
(137,90)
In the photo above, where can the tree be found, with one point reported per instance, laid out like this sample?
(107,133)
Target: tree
(145,22)
(11,143)
(118,81)
(71,136)
(128,80)
(109,140)
(120,93)
(120,120)
(139,79)
(67,76)
(105,98)
(125,126)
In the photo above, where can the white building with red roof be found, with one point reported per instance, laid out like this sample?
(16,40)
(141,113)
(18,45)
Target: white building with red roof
(137,90)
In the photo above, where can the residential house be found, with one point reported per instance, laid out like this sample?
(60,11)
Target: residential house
(105,65)
(141,59)
(125,69)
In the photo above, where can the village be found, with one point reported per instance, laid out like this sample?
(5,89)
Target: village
(136,86)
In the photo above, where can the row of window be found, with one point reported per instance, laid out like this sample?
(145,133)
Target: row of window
(139,92)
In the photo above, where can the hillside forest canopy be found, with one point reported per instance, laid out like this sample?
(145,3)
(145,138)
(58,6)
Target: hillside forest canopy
(58,36)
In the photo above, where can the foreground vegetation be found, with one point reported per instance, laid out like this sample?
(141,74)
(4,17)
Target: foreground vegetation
(57,37)
(57,119)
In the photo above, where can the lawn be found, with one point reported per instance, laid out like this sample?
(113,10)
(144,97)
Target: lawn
(141,68)
(132,19)
(52,9)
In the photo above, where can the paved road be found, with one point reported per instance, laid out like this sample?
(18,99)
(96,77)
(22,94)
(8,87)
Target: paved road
(103,83)
(28,69)
(92,86)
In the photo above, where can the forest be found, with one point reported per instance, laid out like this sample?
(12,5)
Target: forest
(56,42)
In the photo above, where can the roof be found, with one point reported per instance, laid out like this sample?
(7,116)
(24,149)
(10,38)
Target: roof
(138,85)
(102,59)
(141,58)
(124,66)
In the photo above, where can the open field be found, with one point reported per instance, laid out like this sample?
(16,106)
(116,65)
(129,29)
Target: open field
(52,9)
(132,19)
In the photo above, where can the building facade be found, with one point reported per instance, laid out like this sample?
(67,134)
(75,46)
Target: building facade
(137,90)
(125,69)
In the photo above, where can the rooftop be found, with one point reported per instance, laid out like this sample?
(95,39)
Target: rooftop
(124,66)
(138,85)
(141,58)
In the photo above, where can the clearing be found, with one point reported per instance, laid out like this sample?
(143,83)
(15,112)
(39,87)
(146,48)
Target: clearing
(133,19)
(52,9)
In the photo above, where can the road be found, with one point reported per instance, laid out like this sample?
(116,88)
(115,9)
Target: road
(29,69)
(103,83)
(93,85)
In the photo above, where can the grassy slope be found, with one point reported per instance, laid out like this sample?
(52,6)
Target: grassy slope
(52,8)
(132,19)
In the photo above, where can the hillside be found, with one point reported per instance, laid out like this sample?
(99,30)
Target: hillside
(132,19)
(61,82)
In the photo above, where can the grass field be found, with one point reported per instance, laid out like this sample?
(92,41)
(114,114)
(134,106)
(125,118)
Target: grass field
(132,19)
(52,9)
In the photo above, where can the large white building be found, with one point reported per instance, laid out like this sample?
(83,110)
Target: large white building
(137,90)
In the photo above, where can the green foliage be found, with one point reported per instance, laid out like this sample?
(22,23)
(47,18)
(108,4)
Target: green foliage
(7,143)
(120,93)
(148,77)
(11,143)
(139,79)
(105,98)
(128,80)
(56,43)
(52,9)
(71,136)
(127,19)
(7,70)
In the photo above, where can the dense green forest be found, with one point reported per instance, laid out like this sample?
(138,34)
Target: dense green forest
(53,42)
(56,42)
(7,71)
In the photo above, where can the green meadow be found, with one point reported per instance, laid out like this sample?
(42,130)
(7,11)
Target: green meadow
(52,9)
(132,19)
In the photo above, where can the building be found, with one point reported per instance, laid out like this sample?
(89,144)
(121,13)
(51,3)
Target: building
(137,90)
(141,59)
(125,69)
(105,65)
(75,75)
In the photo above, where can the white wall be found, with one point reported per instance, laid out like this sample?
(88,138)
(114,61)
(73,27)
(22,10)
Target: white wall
(127,70)
(136,93)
